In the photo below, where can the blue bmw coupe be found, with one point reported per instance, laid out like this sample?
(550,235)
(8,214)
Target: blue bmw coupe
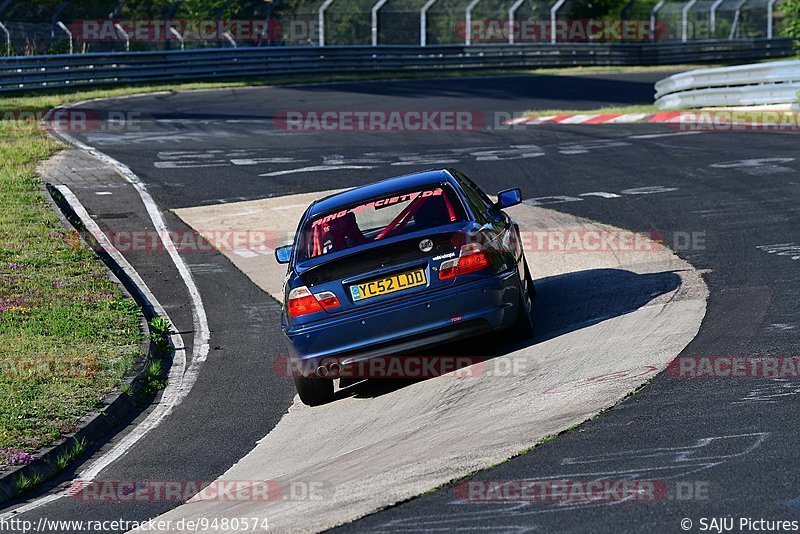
(396,266)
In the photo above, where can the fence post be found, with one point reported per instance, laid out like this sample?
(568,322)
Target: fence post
(8,38)
(125,34)
(770,15)
(177,34)
(712,18)
(511,12)
(116,10)
(653,14)
(69,34)
(375,8)
(468,21)
(736,16)
(423,22)
(321,21)
(553,12)
(168,14)
(685,19)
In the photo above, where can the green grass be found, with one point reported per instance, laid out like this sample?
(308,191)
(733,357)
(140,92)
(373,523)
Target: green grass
(63,460)
(642,108)
(570,71)
(27,483)
(67,333)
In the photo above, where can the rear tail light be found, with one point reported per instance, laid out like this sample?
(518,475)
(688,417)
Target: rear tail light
(302,301)
(328,300)
(471,259)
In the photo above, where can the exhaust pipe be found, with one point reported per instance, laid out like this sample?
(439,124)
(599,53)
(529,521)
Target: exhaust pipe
(322,371)
(334,368)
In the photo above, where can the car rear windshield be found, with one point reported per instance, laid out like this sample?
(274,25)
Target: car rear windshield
(388,216)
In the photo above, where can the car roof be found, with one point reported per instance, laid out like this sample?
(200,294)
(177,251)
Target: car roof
(378,189)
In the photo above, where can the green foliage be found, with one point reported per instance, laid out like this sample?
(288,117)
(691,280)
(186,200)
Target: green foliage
(159,334)
(152,381)
(27,483)
(791,23)
(64,459)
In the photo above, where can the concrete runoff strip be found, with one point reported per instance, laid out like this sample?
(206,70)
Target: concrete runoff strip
(358,455)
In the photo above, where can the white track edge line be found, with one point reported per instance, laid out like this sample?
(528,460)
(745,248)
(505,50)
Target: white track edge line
(200,346)
(175,377)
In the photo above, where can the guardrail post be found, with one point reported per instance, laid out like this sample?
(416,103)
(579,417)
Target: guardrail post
(553,12)
(712,18)
(321,20)
(69,34)
(423,22)
(468,21)
(770,15)
(653,14)
(685,19)
(127,37)
(177,34)
(511,12)
(8,38)
(375,8)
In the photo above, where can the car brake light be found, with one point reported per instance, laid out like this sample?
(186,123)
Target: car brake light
(471,259)
(302,302)
(447,269)
(328,300)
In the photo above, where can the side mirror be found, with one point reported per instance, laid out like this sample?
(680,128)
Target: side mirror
(508,198)
(283,254)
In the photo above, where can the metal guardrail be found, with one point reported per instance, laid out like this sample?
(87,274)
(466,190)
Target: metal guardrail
(776,82)
(47,72)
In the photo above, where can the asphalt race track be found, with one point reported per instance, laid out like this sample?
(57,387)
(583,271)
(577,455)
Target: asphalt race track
(727,202)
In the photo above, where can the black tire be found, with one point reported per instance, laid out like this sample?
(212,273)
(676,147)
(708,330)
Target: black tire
(314,391)
(523,327)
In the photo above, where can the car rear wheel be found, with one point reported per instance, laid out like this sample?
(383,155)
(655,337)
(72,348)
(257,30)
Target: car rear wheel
(523,327)
(314,391)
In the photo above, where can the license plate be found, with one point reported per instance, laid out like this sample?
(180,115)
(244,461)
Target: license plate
(384,286)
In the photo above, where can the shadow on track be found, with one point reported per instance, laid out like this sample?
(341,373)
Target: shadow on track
(609,88)
(563,304)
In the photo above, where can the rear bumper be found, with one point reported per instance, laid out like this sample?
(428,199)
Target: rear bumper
(426,320)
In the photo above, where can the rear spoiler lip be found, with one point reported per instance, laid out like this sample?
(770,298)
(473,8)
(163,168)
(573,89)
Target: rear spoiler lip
(315,263)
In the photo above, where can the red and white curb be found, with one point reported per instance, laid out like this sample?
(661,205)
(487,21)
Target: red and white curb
(603,118)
